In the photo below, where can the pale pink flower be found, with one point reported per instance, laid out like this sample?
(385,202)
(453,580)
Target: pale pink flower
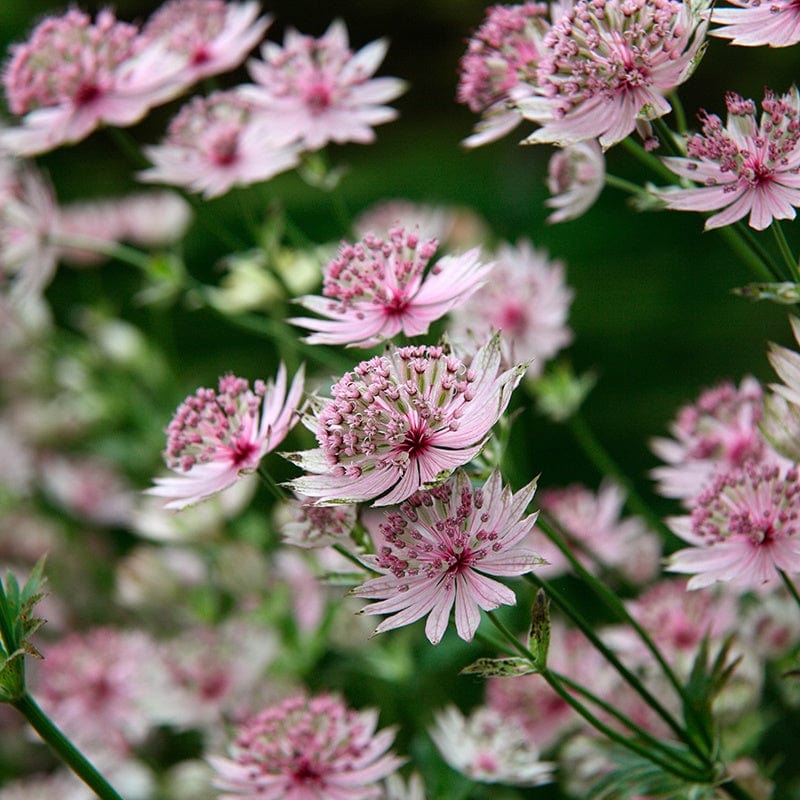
(753,23)
(575,177)
(74,75)
(217,142)
(499,67)
(608,66)
(378,288)
(401,421)
(526,299)
(743,529)
(304,748)
(771,626)
(781,421)
(215,437)
(746,167)
(209,36)
(60,785)
(437,550)
(318,90)
(717,432)
(485,748)
(596,533)
(303,524)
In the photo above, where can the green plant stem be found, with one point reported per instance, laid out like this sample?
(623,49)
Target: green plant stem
(648,159)
(677,110)
(277,492)
(666,136)
(787,582)
(745,233)
(128,146)
(626,186)
(64,748)
(785,250)
(345,553)
(120,252)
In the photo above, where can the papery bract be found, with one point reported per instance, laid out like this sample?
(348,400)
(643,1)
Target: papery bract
(753,23)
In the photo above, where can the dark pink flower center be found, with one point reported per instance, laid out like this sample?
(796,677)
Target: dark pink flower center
(242,452)
(416,441)
(86,94)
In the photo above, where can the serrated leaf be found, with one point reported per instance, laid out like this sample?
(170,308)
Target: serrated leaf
(500,667)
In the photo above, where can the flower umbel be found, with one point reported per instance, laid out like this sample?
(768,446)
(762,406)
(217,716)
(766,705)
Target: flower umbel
(438,549)
(403,420)
(216,436)
(747,167)
(378,288)
(575,177)
(304,748)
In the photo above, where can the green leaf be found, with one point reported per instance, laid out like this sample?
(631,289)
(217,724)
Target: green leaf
(539,634)
(500,667)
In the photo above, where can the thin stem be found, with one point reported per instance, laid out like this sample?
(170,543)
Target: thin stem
(128,146)
(677,110)
(745,233)
(666,136)
(64,748)
(650,161)
(787,582)
(625,185)
(277,492)
(120,252)
(345,553)
(786,250)
(762,267)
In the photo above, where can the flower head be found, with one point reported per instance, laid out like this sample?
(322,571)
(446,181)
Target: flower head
(753,23)
(305,748)
(499,67)
(744,529)
(319,91)
(378,288)
(527,300)
(403,420)
(746,167)
(217,142)
(438,549)
(575,177)
(216,436)
(608,65)
(781,421)
(304,524)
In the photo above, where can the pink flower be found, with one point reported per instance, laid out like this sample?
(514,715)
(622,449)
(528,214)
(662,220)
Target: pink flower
(438,548)
(318,90)
(575,177)
(215,437)
(215,143)
(304,748)
(303,524)
(526,300)
(74,75)
(403,420)
(210,36)
(718,432)
(608,65)
(746,167)
(781,422)
(378,288)
(753,23)
(499,67)
(743,529)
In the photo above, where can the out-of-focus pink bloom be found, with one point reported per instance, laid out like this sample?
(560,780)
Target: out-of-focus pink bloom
(304,524)
(378,288)
(596,533)
(215,143)
(28,214)
(770,627)
(209,36)
(780,424)
(397,789)
(317,90)
(746,167)
(608,66)
(438,549)
(753,23)
(305,748)
(575,177)
(718,432)
(215,437)
(526,300)
(52,786)
(499,67)
(743,529)
(73,75)
(401,421)
(485,748)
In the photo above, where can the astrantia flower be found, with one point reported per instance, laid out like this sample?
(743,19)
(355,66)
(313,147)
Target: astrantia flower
(438,548)
(215,143)
(210,36)
(575,177)
(74,75)
(608,66)
(403,420)
(499,67)
(378,288)
(306,748)
(318,90)
(753,23)
(743,528)
(485,748)
(781,421)
(746,167)
(718,432)
(303,524)
(216,436)
(526,300)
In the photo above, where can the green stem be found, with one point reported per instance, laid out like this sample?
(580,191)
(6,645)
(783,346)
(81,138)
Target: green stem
(648,159)
(277,492)
(64,748)
(753,257)
(666,136)
(345,553)
(677,110)
(785,249)
(624,185)
(787,582)
(128,146)
(120,252)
